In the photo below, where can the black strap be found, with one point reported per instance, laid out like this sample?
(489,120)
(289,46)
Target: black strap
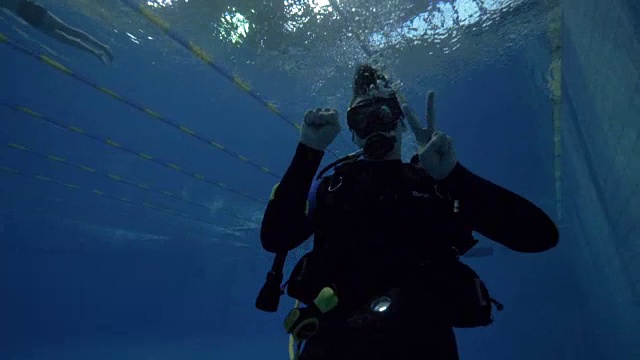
(498,305)
(278,262)
(269,296)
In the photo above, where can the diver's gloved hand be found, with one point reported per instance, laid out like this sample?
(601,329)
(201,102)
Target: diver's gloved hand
(319,128)
(438,156)
(423,135)
(436,152)
(302,323)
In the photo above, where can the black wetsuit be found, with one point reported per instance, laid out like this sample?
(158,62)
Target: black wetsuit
(389,225)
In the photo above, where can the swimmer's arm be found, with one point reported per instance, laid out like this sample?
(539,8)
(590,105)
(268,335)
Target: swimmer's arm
(501,215)
(285,224)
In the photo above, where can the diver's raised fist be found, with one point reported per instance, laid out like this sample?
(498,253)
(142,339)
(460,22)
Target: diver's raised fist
(319,128)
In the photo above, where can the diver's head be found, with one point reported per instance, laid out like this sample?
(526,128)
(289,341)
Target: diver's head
(375,115)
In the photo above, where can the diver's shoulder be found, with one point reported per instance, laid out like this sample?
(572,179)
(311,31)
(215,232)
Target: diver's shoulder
(348,167)
(361,166)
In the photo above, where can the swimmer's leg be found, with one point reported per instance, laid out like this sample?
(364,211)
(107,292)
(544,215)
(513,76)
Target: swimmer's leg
(59,30)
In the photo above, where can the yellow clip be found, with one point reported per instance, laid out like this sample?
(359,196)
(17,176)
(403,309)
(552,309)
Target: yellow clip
(29,111)
(241,84)
(8,169)
(55,64)
(154,19)
(273,107)
(109,92)
(187,130)
(200,53)
(273,191)
(112,143)
(145,156)
(115,177)
(76,129)
(55,158)
(217,145)
(87,169)
(174,166)
(294,350)
(72,186)
(16,146)
(152,113)
(243,158)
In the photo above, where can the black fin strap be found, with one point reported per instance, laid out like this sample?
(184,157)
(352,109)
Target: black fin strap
(498,305)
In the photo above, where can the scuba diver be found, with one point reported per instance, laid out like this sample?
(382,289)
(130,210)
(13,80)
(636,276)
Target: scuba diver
(40,18)
(384,279)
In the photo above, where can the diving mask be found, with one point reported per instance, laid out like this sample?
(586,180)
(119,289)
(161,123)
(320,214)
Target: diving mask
(369,115)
